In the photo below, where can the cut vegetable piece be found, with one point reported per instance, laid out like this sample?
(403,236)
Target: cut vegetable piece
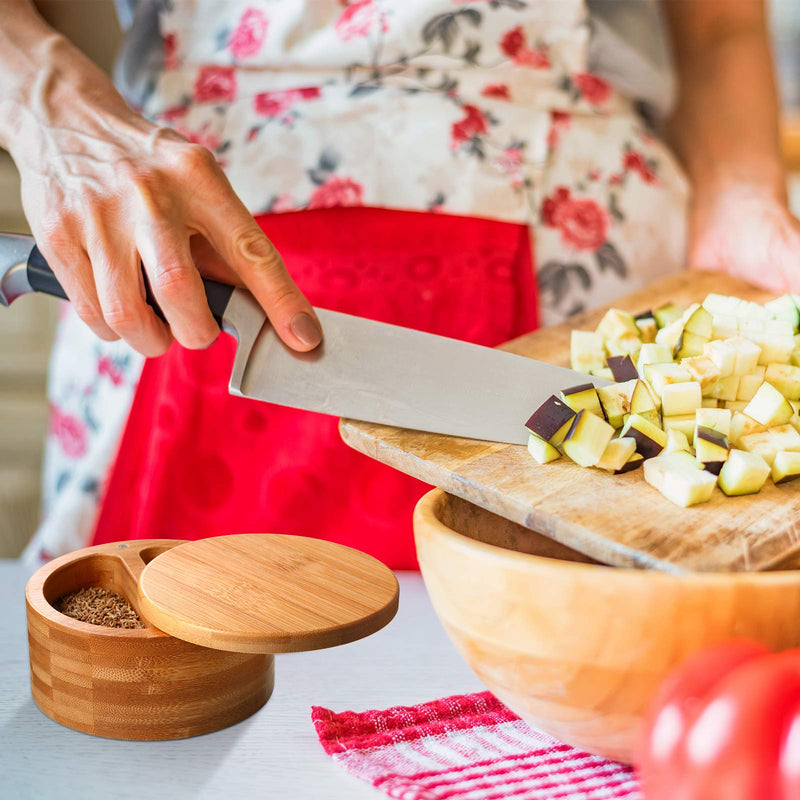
(586,351)
(685,423)
(741,425)
(721,304)
(622,368)
(679,479)
(681,398)
(723,355)
(587,439)
(761,443)
(604,373)
(617,453)
(627,345)
(698,321)
(743,473)
(711,448)
(747,354)
(734,405)
(617,324)
(748,384)
(666,314)
(583,397)
(717,419)
(642,402)
(769,406)
(710,402)
(650,439)
(634,462)
(785,467)
(616,401)
(703,370)
(785,378)
(551,420)
(726,388)
(689,345)
(661,375)
(724,326)
(648,328)
(677,441)
(775,348)
(653,354)
(785,437)
(785,308)
(542,451)
(671,335)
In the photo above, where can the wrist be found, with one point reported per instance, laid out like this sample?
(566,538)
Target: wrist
(762,178)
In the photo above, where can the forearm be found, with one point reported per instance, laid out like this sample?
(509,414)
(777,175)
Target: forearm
(47,84)
(725,125)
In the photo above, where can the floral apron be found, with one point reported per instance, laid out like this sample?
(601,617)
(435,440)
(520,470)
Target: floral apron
(482,111)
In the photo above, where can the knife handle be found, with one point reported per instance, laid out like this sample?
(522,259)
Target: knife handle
(42,279)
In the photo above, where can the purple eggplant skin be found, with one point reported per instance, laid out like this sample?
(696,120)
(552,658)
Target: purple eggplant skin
(629,466)
(622,368)
(714,467)
(549,417)
(644,444)
(584,387)
(644,315)
(710,435)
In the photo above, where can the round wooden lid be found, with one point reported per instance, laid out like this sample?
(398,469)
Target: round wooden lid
(267,593)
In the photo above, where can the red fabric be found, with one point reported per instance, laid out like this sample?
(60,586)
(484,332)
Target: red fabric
(196,462)
(465,746)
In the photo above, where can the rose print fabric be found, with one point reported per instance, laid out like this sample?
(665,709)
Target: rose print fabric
(478,108)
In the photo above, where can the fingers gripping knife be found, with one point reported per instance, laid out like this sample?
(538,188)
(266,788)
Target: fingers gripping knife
(364,370)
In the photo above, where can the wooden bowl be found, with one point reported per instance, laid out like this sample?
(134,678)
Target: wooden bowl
(131,683)
(574,647)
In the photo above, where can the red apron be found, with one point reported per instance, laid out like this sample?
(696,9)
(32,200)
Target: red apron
(196,462)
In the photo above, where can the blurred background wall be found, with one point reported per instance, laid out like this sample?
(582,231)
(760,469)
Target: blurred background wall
(25,334)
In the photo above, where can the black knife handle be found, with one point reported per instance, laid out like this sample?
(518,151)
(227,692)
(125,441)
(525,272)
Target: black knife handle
(42,279)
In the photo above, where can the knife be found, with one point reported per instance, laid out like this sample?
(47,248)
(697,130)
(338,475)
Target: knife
(363,370)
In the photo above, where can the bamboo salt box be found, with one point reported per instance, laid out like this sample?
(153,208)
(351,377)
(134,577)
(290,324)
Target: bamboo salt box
(215,612)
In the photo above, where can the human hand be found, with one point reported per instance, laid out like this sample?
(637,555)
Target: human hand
(746,230)
(104,190)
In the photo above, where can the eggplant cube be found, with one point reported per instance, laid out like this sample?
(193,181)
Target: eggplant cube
(542,451)
(587,439)
(677,442)
(785,308)
(583,396)
(622,368)
(750,383)
(743,473)
(661,375)
(650,439)
(723,354)
(667,313)
(747,354)
(648,328)
(586,351)
(741,425)
(671,335)
(652,353)
(681,398)
(551,420)
(785,378)
(785,437)
(634,462)
(711,448)
(785,467)
(685,423)
(724,326)
(703,370)
(617,324)
(698,321)
(727,388)
(617,453)
(717,419)
(678,477)
(616,401)
(761,443)
(769,406)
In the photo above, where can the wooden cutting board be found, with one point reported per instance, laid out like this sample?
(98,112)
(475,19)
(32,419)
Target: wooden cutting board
(616,519)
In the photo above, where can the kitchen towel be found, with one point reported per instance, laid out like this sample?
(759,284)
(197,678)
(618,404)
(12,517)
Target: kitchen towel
(466,746)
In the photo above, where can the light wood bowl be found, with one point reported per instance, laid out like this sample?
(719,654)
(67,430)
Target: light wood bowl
(574,647)
(131,683)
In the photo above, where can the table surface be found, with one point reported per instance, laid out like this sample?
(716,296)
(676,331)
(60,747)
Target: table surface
(275,753)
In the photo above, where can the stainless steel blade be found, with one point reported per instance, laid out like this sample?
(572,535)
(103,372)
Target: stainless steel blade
(14,251)
(383,373)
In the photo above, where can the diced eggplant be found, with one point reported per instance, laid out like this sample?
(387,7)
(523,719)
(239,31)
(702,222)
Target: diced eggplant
(617,324)
(785,437)
(727,388)
(616,401)
(652,353)
(741,425)
(685,423)
(586,351)
(723,354)
(747,354)
(677,442)
(678,477)
(785,308)
(711,448)
(622,368)
(667,313)
(583,396)
(749,384)
(587,439)
(724,326)
(670,336)
(634,462)
(717,419)
(743,473)
(660,375)
(642,402)
(542,451)
(785,378)
(616,454)
(680,398)
(551,420)
(785,467)
(769,406)
(698,322)
(710,402)
(648,328)
(761,443)
(703,370)
(690,345)
(650,439)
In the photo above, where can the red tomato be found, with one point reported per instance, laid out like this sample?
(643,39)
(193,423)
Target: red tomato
(725,726)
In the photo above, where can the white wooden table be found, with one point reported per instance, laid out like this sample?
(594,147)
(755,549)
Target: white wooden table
(274,754)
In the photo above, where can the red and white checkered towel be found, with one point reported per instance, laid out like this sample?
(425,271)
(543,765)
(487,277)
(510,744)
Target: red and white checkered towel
(466,746)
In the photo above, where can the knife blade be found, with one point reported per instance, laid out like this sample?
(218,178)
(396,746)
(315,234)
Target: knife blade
(364,370)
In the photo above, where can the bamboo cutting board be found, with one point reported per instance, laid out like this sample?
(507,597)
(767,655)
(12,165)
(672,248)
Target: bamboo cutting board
(616,519)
